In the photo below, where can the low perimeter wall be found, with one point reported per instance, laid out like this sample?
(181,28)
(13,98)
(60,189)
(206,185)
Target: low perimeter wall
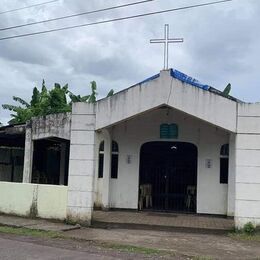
(33,200)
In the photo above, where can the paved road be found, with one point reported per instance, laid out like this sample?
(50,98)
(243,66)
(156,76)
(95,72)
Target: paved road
(27,248)
(17,250)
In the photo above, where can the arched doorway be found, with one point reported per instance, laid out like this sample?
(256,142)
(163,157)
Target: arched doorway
(170,169)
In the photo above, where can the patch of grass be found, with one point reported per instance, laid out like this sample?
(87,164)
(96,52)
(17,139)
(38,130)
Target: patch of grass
(245,236)
(30,232)
(137,249)
(202,258)
(248,233)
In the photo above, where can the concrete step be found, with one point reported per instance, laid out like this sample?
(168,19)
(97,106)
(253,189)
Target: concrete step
(183,229)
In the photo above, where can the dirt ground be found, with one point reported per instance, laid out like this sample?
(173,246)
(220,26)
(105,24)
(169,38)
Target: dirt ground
(185,245)
(117,241)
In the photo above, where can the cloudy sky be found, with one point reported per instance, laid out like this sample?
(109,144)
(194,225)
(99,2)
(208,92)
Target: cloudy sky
(221,46)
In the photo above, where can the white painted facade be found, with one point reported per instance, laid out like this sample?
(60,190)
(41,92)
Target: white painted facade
(132,134)
(132,118)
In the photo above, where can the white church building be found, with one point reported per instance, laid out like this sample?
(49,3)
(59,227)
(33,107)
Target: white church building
(166,144)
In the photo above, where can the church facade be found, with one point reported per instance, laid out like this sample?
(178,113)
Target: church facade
(168,143)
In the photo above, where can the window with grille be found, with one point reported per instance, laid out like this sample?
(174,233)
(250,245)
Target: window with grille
(114,160)
(224,161)
(101,159)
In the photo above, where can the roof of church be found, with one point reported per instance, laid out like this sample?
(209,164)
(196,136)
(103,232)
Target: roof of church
(189,80)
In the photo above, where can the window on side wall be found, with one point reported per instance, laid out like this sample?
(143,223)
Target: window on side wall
(101,159)
(224,161)
(114,160)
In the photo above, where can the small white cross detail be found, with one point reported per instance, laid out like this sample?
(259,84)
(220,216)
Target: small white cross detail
(166,42)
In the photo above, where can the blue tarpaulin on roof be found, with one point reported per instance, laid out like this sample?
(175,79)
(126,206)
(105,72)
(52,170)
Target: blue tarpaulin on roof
(189,80)
(151,78)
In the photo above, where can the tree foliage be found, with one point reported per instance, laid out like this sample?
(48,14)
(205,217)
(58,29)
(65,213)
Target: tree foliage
(227,90)
(44,102)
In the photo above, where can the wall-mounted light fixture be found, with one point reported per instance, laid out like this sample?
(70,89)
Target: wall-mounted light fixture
(208,163)
(128,159)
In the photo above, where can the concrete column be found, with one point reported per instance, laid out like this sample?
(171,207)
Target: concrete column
(62,163)
(81,164)
(231,176)
(28,156)
(107,169)
(247,196)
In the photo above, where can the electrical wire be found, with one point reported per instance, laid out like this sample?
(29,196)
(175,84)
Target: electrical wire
(27,7)
(75,15)
(112,20)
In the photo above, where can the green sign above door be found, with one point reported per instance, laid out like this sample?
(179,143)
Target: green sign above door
(169,131)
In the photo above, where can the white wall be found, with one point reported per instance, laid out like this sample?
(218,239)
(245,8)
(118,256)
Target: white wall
(48,201)
(247,204)
(130,135)
(170,91)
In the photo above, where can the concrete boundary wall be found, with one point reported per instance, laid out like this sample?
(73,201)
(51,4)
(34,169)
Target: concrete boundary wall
(33,200)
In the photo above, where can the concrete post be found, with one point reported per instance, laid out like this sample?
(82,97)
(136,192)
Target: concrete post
(107,169)
(247,196)
(62,163)
(231,176)
(81,164)
(28,156)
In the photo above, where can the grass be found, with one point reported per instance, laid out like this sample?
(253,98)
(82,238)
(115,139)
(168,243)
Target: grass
(30,232)
(137,249)
(202,258)
(244,236)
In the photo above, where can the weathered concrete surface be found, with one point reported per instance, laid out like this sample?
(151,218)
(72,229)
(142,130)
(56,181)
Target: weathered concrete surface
(55,125)
(39,224)
(13,130)
(28,156)
(24,199)
(166,90)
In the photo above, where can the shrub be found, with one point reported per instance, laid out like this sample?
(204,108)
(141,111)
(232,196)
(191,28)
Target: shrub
(249,228)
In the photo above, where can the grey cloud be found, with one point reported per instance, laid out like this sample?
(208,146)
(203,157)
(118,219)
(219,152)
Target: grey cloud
(221,45)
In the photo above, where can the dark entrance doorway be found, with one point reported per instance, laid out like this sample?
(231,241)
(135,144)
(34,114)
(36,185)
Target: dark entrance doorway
(51,161)
(170,169)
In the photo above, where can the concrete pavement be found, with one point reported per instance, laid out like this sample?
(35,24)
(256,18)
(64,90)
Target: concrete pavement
(39,224)
(162,221)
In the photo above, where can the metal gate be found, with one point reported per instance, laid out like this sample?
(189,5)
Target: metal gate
(171,170)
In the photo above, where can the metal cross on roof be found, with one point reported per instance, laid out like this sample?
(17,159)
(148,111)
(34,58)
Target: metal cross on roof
(166,42)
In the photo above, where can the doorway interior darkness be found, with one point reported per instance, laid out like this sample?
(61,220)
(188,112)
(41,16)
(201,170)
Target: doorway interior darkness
(170,168)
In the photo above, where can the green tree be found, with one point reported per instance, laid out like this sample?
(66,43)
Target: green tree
(58,100)
(22,112)
(227,90)
(46,102)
